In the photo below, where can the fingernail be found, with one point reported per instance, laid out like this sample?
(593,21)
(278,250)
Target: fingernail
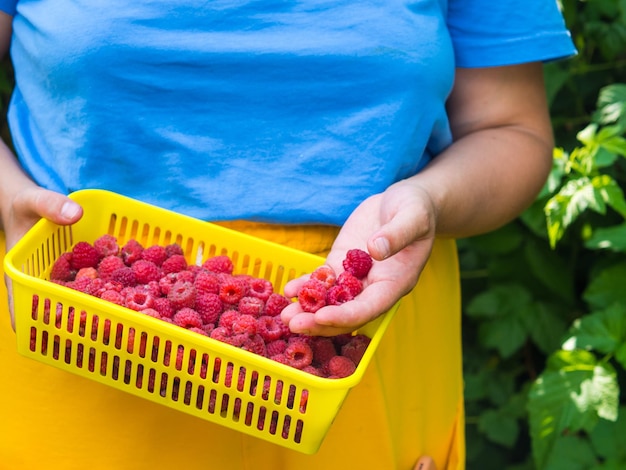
(69,210)
(382,245)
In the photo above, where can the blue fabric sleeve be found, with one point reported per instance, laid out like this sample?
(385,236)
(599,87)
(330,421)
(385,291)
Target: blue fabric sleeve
(487,33)
(8,6)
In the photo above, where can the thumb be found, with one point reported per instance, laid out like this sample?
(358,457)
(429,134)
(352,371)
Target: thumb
(56,207)
(404,228)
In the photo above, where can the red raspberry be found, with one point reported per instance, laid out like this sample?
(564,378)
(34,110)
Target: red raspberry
(249,305)
(260,288)
(358,262)
(200,331)
(219,264)
(349,280)
(155,253)
(298,338)
(62,268)
(163,306)
(299,354)
(108,264)
(221,333)
(338,294)
(138,299)
(181,295)
(312,295)
(80,284)
(244,324)
(227,319)
(84,255)
(280,358)
(96,287)
(271,328)
(232,290)
(174,249)
(255,344)
(275,347)
(207,281)
(355,348)
(131,251)
(150,312)
(187,275)
(341,340)
(146,271)
(187,318)
(153,288)
(112,296)
(166,282)
(339,367)
(91,273)
(326,275)
(106,245)
(313,371)
(323,350)
(209,306)
(174,264)
(275,304)
(125,276)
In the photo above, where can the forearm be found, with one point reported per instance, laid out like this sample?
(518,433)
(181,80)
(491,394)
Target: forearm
(502,150)
(13,180)
(486,179)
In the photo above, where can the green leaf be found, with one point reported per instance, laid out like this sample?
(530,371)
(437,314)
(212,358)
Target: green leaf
(570,453)
(499,301)
(499,427)
(607,437)
(608,238)
(556,77)
(506,335)
(616,145)
(607,287)
(545,327)
(550,269)
(603,331)
(572,394)
(620,355)
(504,240)
(575,197)
(611,103)
(610,192)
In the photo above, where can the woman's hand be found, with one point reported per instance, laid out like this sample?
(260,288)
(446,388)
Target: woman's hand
(23,203)
(32,203)
(397,228)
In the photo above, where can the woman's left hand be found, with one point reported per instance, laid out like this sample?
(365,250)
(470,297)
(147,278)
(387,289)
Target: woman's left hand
(397,229)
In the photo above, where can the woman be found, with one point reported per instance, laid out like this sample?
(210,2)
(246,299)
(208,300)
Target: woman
(393,127)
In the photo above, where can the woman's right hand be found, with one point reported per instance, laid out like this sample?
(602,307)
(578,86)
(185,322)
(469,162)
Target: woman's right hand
(22,209)
(23,203)
(26,206)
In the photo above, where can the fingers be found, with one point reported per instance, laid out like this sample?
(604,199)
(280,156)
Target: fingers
(39,202)
(409,219)
(333,320)
(425,463)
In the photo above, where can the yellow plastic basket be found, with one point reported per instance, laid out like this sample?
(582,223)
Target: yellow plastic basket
(133,352)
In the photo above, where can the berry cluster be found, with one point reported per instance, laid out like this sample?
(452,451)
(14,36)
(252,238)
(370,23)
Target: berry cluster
(211,300)
(325,287)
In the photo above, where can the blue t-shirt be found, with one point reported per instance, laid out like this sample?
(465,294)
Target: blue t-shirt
(285,111)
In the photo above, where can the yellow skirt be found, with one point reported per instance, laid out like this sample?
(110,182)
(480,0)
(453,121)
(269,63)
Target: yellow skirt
(409,403)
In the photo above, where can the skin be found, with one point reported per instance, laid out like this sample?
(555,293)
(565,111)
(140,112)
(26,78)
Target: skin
(500,158)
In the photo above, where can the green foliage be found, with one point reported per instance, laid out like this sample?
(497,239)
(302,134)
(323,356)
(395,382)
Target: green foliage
(544,297)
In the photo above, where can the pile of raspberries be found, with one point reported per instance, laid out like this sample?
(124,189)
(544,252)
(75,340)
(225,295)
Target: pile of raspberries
(210,300)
